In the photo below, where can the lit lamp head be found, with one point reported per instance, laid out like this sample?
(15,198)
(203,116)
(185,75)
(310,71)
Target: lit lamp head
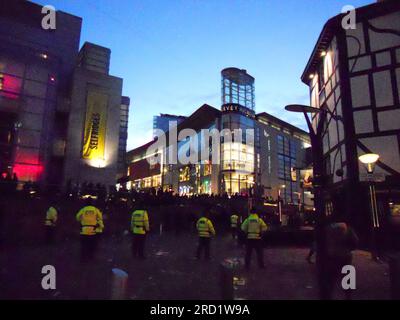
(369,160)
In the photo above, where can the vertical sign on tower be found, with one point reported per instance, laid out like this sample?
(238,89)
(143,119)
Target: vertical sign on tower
(95,126)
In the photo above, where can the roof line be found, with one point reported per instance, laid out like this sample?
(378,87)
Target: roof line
(282,122)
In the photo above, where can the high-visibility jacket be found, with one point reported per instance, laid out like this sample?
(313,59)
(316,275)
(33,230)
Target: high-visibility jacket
(140,222)
(234,220)
(205,227)
(254,226)
(51,217)
(91,220)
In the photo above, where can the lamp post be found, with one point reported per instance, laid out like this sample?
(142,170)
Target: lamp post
(318,185)
(369,160)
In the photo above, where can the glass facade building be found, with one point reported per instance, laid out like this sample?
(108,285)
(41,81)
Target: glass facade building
(237,157)
(162,122)
(256,152)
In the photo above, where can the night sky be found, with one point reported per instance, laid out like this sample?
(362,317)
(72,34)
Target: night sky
(170,52)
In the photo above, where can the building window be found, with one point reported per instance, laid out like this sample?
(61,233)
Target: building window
(184,174)
(287,151)
(207,169)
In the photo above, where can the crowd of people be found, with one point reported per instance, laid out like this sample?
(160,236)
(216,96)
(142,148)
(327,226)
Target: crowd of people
(101,213)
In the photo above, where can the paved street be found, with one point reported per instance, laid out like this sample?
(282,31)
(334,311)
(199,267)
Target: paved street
(170,272)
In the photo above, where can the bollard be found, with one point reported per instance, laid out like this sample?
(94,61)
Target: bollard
(119,284)
(394,266)
(226,278)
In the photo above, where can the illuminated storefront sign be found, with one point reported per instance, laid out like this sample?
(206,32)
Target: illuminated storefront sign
(95,126)
(238,108)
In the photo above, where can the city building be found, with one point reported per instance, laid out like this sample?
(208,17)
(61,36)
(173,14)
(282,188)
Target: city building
(354,74)
(60,110)
(162,122)
(263,164)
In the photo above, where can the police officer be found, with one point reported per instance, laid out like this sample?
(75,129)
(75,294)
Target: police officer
(253,227)
(91,220)
(139,227)
(205,230)
(234,225)
(50,224)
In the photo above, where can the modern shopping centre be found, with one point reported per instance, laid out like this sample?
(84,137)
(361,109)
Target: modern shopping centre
(269,159)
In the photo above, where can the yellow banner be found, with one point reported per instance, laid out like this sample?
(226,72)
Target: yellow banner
(95,126)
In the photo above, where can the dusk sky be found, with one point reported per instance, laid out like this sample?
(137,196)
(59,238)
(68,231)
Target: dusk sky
(170,52)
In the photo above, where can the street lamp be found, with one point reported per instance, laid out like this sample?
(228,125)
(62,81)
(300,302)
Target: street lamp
(318,186)
(369,160)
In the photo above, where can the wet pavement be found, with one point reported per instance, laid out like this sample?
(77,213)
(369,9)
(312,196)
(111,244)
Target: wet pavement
(171,272)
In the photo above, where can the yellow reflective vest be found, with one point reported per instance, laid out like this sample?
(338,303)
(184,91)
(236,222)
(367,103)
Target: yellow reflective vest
(254,226)
(234,220)
(91,220)
(205,227)
(51,217)
(140,222)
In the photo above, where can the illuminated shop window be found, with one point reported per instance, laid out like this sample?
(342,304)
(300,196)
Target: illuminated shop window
(156,181)
(394,209)
(184,174)
(237,156)
(147,182)
(238,183)
(205,186)
(207,168)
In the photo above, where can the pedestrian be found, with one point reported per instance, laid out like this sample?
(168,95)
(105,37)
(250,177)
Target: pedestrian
(50,224)
(205,229)
(341,240)
(140,227)
(234,225)
(91,220)
(254,227)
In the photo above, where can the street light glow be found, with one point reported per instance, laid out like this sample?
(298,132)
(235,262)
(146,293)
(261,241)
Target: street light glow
(369,159)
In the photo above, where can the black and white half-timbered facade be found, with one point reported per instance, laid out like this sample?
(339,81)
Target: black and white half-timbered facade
(354,73)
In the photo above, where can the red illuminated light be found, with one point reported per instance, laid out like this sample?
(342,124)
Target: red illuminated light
(27,172)
(10,86)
